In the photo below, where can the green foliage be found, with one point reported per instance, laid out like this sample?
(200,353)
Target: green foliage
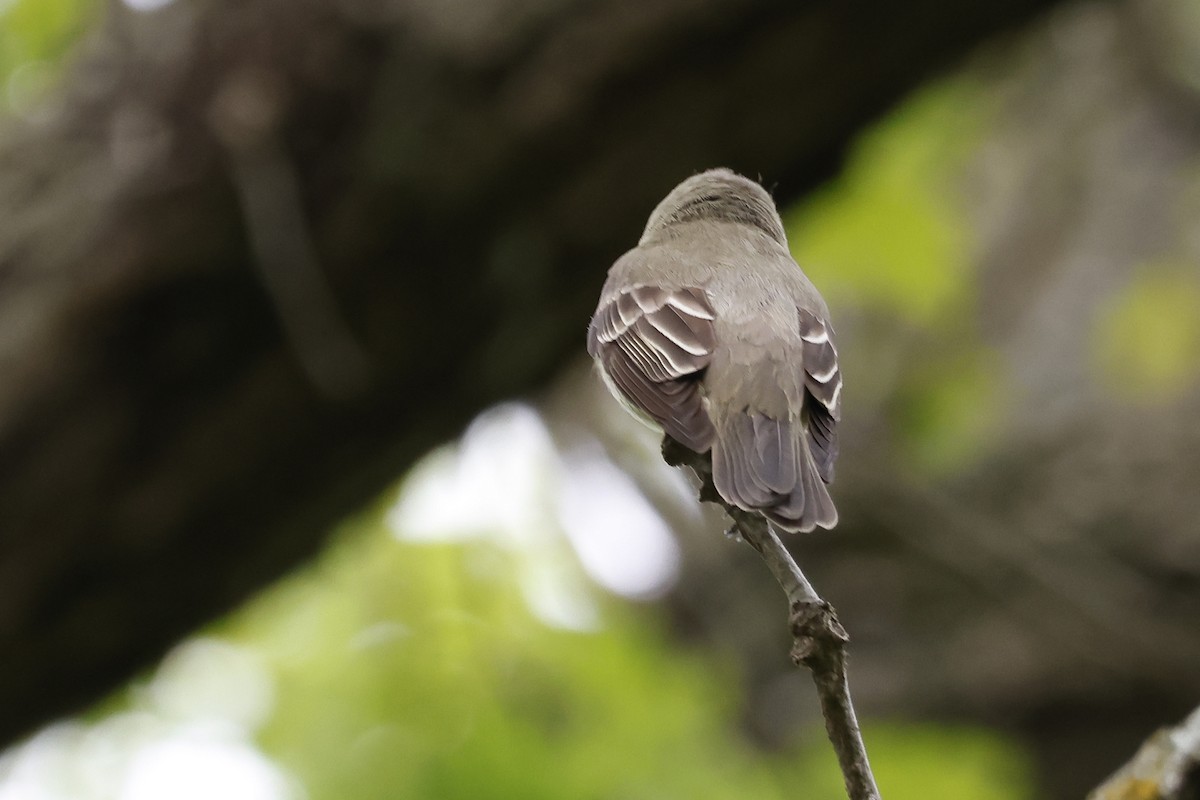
(921,762)
(947,407)
(417,671)
(34,35)
(887,233)
(1148,340)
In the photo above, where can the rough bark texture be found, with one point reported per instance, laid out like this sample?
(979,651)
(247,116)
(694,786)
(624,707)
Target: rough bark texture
(258,256)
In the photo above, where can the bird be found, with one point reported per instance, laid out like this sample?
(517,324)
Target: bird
(709,330)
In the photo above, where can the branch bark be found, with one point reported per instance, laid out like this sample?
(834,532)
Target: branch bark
(819,638)
(1167,767)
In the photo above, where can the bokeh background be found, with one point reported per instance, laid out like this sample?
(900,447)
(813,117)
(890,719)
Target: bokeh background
(530,604)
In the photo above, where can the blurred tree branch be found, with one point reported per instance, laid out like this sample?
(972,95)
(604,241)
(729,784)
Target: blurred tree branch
(182,421)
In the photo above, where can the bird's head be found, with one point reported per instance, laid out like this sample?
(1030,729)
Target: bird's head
(719,195)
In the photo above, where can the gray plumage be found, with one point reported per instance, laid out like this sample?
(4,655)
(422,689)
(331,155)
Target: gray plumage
(709,329)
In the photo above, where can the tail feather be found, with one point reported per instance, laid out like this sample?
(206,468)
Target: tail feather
(774,453)
(763,464)
(738,467)
(808,506)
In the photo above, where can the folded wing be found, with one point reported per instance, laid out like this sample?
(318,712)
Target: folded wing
(653,344)
(823,392)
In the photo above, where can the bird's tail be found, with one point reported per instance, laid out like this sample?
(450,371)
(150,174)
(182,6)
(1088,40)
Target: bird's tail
(765,464)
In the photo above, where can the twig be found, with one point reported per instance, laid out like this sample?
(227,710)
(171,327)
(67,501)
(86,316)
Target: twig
(1167,767)
(819,639)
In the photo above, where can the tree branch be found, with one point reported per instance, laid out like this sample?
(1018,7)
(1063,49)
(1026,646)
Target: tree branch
(819,638)
(1167,767)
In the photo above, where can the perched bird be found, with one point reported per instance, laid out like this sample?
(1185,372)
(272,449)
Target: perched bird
(711,331)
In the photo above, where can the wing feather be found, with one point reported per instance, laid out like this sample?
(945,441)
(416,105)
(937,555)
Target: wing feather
(823,390)
(653,344)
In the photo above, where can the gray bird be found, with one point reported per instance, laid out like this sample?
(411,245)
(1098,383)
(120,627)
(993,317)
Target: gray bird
(710,330)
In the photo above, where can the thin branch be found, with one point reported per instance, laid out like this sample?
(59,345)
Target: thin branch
(819,639)
(1167,767)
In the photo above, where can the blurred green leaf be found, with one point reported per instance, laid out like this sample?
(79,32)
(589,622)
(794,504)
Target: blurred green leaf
(888,233)
(34,36)
(946,409)
(1148,341)
(919,762)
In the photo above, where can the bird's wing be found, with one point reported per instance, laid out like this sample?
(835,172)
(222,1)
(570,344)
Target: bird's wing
(653,345)
(823,391)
